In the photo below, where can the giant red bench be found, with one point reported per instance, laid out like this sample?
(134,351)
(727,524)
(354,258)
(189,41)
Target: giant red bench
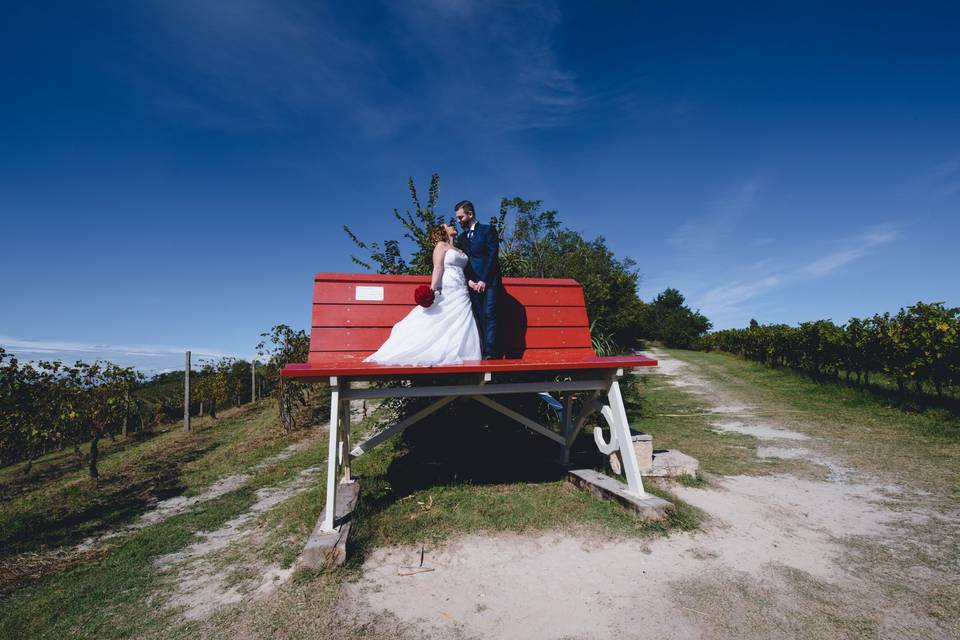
(543,330)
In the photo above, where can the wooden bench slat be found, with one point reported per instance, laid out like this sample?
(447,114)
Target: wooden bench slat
(364,338)
(387,315)
(533,355)
(402,293)
(354,368)
(543,326)
(378,278)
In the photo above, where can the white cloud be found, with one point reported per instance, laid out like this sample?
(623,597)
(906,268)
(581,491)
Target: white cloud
(61,346)
(268,63)
(730,296)
(705,232)
(945,169)
(943,179)
(859,247)
(148,358)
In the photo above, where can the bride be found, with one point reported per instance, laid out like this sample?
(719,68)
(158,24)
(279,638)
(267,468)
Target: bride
(445,332)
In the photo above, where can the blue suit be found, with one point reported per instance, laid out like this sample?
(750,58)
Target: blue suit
(483,250)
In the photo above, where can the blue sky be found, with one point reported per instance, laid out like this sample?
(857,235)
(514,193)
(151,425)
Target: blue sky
(172,174)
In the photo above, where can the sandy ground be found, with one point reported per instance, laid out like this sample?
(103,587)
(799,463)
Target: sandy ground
(773,561)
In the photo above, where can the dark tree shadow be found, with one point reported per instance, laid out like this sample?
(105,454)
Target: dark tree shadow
(472,444)
(119,499)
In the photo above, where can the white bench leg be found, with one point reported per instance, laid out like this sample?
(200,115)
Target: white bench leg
(620,434)
(333,455)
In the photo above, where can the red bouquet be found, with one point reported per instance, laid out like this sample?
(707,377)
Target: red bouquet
(423,296)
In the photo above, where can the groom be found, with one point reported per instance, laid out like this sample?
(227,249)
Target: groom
(482,246)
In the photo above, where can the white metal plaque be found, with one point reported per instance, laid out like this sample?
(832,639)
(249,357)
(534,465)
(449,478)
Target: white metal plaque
(370,293)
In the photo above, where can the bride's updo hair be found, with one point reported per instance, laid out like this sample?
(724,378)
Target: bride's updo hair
(438,234)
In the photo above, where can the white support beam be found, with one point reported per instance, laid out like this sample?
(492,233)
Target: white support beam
(620,431)
(332,455)
(374,440)
(522,419)
(478,389)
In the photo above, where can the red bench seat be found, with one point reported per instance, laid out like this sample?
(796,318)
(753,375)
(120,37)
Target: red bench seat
(542,326)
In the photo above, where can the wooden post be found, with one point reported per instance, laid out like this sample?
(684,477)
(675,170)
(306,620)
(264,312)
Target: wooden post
(253,381)
(186,395)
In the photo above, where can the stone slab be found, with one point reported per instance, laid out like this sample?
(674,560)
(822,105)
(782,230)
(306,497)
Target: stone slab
(329,548)
(643,450)
(650,508)
(672,463)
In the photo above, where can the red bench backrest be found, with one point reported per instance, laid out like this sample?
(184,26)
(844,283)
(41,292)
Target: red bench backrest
(538,318)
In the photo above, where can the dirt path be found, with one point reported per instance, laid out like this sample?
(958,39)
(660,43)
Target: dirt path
(199,578)
(780,556)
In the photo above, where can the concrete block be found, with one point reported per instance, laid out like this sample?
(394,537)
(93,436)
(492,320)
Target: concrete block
(643,449)
(649,508)
(329,548)
(672,463)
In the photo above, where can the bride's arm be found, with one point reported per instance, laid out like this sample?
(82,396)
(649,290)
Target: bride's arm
(438,252)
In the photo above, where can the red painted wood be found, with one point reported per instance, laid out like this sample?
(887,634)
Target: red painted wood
(381,278)
(338,292)
(359,315)
(530,316)
(348,339)
(545,295)
(364,338)
(532,355)
(387,315)
(346,292)
(544,327)
(549,338)
(321,357)
(353,368)
(552,354)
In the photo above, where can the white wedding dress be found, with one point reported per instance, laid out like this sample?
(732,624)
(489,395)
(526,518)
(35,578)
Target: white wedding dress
(443,333)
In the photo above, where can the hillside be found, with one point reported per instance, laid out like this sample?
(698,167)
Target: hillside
(821,512)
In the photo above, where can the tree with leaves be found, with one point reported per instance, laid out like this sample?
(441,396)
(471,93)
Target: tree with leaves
(533,244)
(416,227)
(673,323)
(299,402)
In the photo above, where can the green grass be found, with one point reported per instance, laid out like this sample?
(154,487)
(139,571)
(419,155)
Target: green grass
(69,508)
(112,597)
(678,419)
(439,481)
(852,425)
